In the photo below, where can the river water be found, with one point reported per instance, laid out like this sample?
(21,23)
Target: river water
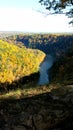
(44,70)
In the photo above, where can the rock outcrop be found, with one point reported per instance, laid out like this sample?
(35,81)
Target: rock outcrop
(52,110)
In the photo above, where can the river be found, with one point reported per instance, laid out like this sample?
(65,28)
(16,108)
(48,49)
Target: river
(44,67)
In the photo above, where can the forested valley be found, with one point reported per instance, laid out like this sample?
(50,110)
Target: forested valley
(23,103)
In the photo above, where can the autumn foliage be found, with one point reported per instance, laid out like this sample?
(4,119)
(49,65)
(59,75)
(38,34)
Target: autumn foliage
(17,62)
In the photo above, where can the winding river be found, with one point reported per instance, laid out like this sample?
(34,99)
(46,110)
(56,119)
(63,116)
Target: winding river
(44,67)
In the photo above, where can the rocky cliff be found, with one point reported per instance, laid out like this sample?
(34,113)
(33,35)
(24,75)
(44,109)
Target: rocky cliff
(52,110)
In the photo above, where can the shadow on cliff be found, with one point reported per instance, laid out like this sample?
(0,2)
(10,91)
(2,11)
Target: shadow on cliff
(47,111)
(20,83)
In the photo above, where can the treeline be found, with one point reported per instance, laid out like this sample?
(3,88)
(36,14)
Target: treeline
(49,43)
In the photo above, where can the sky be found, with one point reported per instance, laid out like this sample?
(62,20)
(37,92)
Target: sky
(26,16)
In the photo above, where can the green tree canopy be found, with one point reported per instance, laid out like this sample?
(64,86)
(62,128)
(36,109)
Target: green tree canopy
(59,7)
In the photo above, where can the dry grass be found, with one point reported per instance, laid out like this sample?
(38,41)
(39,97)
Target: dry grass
(28,92)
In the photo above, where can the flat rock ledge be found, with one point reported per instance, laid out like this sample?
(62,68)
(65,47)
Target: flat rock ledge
(49,111)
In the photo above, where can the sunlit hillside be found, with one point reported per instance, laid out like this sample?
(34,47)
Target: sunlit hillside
(17,62)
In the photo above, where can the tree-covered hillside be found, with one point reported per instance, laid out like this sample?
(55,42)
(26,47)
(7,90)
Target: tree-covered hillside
(17,62)
(62,70)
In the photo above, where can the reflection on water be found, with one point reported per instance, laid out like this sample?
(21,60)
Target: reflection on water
(44,67)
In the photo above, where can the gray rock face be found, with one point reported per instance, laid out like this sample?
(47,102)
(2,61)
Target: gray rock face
(44,67)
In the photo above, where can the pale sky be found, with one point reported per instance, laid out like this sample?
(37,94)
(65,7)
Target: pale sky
(22,15)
